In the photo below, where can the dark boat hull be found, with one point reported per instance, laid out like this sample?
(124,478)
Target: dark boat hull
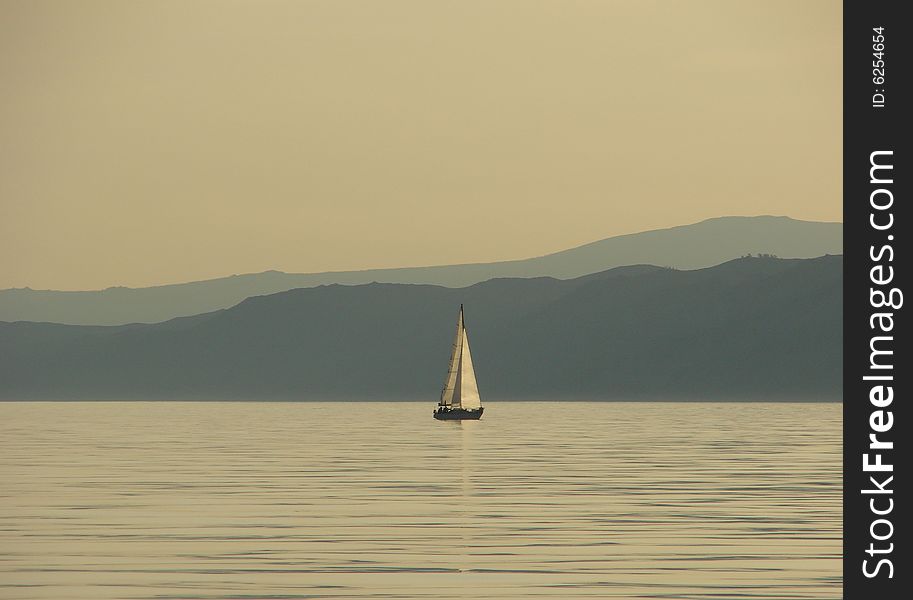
(458,414)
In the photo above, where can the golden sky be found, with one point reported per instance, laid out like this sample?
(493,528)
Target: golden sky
(151,142)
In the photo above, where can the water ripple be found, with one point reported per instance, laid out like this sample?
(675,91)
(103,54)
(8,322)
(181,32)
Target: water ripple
(234,500)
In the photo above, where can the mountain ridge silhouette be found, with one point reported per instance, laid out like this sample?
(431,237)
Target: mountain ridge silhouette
(747,329)
(693,246)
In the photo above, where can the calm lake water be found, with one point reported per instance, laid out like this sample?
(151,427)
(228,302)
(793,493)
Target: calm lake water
(338,500)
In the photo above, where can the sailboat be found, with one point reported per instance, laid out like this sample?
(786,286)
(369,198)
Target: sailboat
(460,396)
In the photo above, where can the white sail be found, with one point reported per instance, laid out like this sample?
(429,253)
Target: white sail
(460,387)
(469,389)
(450,382)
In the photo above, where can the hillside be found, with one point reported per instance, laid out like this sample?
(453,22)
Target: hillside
(694,246)
(749,329)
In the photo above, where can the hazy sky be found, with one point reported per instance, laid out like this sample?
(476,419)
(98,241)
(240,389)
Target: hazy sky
(153,142)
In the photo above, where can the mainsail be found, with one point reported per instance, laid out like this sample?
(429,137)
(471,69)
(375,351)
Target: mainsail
(460,387)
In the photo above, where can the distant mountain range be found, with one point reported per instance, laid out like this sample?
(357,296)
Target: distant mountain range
(694,246)
(748,329)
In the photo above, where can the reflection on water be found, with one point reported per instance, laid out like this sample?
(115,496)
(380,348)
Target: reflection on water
(329,500)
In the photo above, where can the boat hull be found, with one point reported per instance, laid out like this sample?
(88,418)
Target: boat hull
(458,414)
